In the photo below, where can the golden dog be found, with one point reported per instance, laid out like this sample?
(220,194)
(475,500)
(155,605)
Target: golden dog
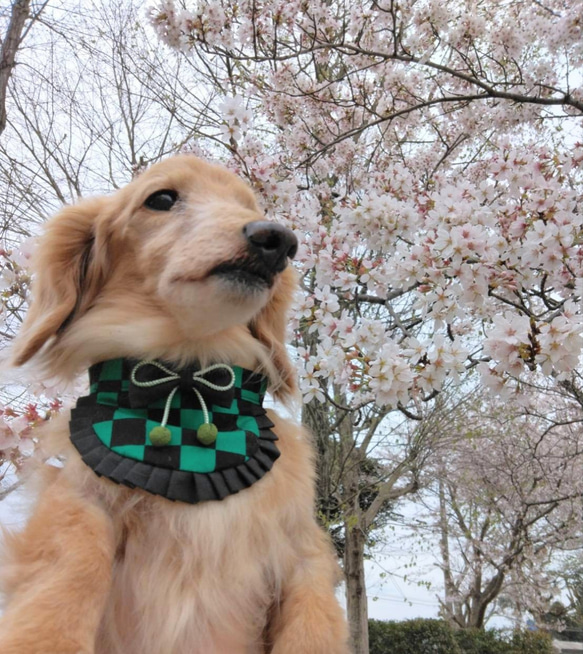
(177,266)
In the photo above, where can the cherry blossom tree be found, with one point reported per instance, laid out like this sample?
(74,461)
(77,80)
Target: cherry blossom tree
(504,500)
(427,155)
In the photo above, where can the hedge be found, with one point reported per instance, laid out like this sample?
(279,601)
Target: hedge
(437,637)
(412,637)
(494,641)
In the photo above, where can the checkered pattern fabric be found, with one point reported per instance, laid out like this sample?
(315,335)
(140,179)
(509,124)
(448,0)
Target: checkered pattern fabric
(104,425)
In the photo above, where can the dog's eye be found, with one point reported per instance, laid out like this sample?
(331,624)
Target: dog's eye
(161,200)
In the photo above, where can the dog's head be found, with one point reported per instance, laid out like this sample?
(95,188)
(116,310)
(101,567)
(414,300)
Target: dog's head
(179,264)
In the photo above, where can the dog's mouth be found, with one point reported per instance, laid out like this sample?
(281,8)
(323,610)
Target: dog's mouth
(246,273)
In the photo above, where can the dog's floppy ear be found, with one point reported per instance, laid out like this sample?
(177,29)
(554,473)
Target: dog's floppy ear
(69,267)
(269,327)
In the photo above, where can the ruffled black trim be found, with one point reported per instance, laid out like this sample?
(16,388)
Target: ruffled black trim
(176,485)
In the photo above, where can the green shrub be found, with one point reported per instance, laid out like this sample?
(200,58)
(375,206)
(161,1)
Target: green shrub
(437,637)
(411,637)
(481,641)
(531,642)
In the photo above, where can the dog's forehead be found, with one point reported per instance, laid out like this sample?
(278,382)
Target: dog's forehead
(185,168)
(187,173)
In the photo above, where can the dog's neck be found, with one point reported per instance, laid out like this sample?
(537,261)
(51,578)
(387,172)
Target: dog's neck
(190,434)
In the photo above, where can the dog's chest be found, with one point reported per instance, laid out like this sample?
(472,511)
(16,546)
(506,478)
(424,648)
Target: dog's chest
(194,579)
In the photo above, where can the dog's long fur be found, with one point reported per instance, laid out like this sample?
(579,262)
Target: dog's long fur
(104,569)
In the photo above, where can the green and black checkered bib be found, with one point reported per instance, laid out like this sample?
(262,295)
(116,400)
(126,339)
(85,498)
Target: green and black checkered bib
(110,428)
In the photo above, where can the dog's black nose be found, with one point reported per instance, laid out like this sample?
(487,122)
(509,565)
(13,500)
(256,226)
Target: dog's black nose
(273,243)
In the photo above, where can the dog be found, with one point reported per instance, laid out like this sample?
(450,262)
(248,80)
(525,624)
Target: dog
(179,270)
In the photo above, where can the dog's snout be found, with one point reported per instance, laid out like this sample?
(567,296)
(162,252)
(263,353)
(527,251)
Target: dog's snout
(273,243)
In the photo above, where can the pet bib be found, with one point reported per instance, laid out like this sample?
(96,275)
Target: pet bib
(190,435)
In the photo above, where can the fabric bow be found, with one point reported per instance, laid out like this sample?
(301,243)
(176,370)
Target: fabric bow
(151,381)
(208,384)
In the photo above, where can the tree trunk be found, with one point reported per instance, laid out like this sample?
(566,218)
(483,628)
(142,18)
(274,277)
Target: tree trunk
(20,11)
(356,603)
(482,599)
(451,605)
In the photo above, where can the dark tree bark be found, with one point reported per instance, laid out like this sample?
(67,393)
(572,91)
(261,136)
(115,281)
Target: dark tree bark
(356,602)
(10,45)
